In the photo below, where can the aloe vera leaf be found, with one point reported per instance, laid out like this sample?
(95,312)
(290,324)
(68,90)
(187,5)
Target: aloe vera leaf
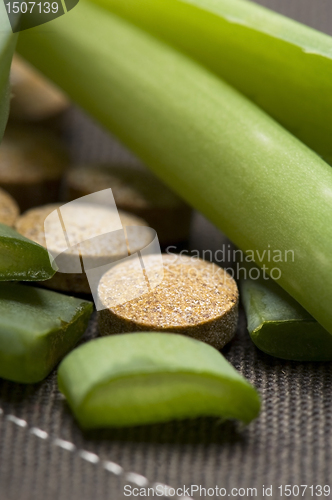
(279,326)
(37,328)
(7,47)
(144,378)
(247,174)
(283,66)
(22,259)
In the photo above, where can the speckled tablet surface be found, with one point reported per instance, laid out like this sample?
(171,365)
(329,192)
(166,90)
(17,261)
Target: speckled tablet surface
(98,250)
(195,297)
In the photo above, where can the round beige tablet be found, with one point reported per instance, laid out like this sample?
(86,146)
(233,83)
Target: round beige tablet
(34,97)
(81,224)
(32,162)
(9,210)
(137,191)
(195,298)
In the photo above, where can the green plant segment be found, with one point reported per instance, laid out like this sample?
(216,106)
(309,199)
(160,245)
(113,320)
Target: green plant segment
(142,378)
(22,259)
(225,156)
(37,328)
(7,46)
(283,66)
(279,326)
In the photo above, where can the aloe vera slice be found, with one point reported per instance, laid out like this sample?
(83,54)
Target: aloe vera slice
(279,326)
(254,180)
(143,378)
(283,66)
(22,259)
(37,328)
(7,46)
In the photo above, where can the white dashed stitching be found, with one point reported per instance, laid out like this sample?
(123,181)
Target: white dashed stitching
(65,445)
(89,457)
(39,433)
(113,467)
(17,421)
(137,479)
(92,458)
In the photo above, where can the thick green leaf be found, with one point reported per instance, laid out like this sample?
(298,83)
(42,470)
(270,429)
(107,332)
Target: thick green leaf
(279,326)
(37,328)
(7,46)
(143,378)
(283,66)
(255,181)
(22,259)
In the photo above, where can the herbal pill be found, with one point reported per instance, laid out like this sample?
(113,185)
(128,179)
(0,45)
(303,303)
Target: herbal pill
(81,224)
(34,97)
(31,165)
(9,210)
(137,191)
(195,297)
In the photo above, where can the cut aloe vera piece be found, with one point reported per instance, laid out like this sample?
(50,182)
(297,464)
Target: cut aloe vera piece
(22,259)
(279,326)
(37,328)
(7,46)
(254,180)
(280,64)
(143,378)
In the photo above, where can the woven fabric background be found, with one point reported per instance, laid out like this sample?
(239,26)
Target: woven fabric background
(290,442)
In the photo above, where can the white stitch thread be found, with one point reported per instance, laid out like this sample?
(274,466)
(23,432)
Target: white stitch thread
(137,479)
(39,433)
(113,467)
(17,421)
(66,445)
(89,457)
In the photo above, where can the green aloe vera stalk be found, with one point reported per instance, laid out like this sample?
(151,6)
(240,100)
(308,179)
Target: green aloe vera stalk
(7,46)
(254,180)
(283,66)
(37,328)
(144,378)
(22,259)
(279,326)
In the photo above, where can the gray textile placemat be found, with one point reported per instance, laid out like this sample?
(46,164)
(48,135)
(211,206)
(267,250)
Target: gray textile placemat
(41,446)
